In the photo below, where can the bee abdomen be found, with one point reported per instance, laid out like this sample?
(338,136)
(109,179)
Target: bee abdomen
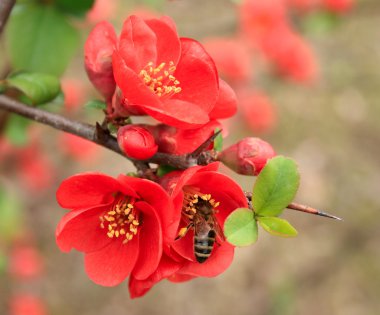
(203,246)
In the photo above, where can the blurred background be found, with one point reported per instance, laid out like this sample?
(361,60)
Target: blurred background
(307,77)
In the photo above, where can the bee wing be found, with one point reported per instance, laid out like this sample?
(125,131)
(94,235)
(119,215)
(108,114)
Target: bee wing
(213,222)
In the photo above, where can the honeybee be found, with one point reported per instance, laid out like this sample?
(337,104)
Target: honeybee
(199,213)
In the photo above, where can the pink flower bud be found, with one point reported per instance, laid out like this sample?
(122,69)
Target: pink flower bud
(248,156)
(136,142)
(98,52)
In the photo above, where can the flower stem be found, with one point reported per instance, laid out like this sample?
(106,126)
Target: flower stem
(95,134)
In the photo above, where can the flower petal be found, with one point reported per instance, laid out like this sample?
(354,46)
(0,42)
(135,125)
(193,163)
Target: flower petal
(87,190)
(197,75)
(226,104)
(178,278)
(179,113)
(223,189)
(158,198)
(113,263)
(137,45)
(166,268)
(167,44)
(150,239)
(220,259)
(81,230)
(133,87)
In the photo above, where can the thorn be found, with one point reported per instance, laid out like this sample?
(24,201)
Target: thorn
(307,209)
(205,144)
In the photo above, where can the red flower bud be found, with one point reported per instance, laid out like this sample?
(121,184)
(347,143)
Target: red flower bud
(136,142)
(248,156)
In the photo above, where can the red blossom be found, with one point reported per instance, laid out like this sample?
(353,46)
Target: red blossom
(136,142)
(257,111)
(120,224)
(231,57)
(25,304)
(25,262)
(36,171)
(291,55)
(338,6)
(179,262)
(172,79)
(78,148)
(74,91)
(258,18)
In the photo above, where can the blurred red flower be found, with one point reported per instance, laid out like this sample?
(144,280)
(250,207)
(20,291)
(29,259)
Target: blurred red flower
(120,224)
(257,18)
(257,111)
(25,262)
(25,304)
(78,148)
(291,55)
(231,57)
(172,79)
(36,170)
(338,6)
(193,188)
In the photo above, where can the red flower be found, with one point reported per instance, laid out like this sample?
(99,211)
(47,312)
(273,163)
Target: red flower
(291,55)
(172,79)
(25,304)
(257,111)
(258,18)
(338,6)
(231,57)
(120,224)
(25,262)
(196,187)
(136,142)
(78,148)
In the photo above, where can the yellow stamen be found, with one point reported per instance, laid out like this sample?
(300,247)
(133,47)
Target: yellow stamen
(160,79)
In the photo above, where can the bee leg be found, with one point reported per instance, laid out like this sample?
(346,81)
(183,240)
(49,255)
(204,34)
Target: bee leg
(182,232)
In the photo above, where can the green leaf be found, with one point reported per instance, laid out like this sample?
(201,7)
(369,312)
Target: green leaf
(218,141)
(39,39)
(95,104)
(74,7)
(16,130)
(277,226)
(275,187)
(240,227)
(165,169)
(39,88)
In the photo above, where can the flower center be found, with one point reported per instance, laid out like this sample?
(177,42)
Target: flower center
(196,202)
(121,221)
(161,80)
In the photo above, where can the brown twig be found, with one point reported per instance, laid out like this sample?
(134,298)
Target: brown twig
(298,207)
(98,135)
(5,10)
